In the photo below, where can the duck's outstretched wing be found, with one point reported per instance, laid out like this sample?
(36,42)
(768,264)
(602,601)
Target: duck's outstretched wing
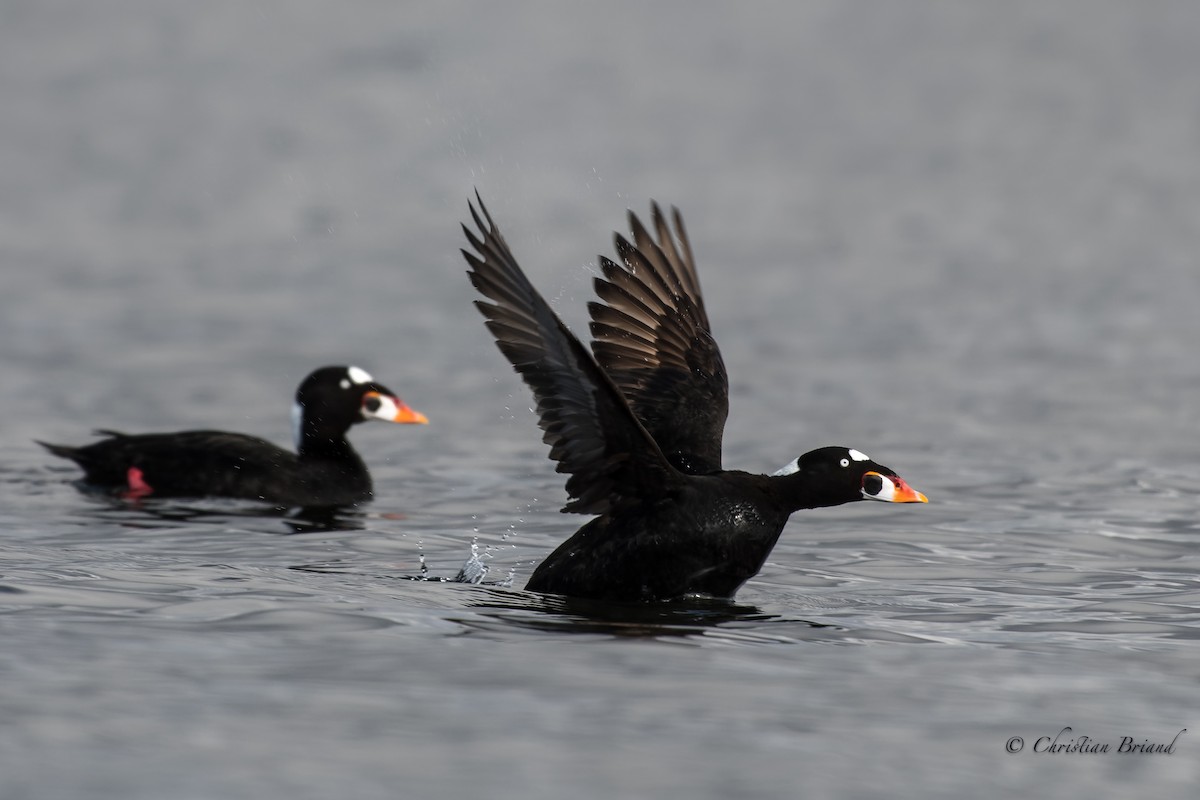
(593,434)
(651,335)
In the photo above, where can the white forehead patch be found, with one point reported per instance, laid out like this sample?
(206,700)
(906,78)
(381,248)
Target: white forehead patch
(359,375)
(857,456)
(789,468)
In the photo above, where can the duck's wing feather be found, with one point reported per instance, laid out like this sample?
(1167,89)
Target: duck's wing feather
(593,434)
(651,334)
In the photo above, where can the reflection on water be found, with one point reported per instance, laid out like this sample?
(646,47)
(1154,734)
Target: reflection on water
(552,614)
(495,603)
(147,511)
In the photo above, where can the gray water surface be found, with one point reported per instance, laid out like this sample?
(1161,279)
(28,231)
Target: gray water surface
(961,238)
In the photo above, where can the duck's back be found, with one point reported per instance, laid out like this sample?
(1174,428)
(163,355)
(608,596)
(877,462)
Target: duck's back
(216,463)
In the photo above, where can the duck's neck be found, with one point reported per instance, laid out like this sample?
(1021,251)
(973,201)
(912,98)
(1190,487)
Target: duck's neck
(317,442)
(328,448)
(798,491)
(315,438)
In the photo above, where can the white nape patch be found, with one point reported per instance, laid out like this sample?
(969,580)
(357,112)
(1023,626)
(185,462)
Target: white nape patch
(857,456)
(297,424)
(359,375)
(789,468)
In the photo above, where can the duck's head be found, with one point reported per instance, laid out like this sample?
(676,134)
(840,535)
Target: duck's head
(331,399)
(836,475)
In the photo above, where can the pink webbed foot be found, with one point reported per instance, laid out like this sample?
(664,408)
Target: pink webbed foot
(138,488)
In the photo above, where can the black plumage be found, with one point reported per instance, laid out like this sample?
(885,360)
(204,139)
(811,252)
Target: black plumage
(638,427)
(324,471)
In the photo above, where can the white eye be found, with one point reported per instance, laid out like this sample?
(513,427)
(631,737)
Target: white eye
(845,462)
(344,383)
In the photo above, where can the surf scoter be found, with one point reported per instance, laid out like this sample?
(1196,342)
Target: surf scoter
(637,425)
(324,471)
